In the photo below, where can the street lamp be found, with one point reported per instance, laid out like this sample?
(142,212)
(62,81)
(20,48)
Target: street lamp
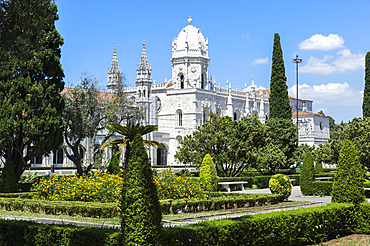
(296,61)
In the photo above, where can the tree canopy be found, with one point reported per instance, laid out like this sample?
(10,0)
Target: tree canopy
(232,144)
(279,99)
(31,79)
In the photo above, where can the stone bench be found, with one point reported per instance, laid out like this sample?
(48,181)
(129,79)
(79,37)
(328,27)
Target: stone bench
(239,184)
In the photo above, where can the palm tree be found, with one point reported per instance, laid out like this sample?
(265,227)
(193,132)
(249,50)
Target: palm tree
(129,132)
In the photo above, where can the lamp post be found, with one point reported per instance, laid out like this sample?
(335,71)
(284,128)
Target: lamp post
(296,61)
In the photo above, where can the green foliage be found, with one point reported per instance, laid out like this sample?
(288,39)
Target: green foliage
(208,175)
(366,99)
(270,158)
(301,151)
(279,99)
(358,131)
(328,152)
(323,188)
(173,186)
(232,144)
(141,213)
(304,226)
(318,167)
(335,129)
(348,184)
(8,183)
(128,133)
(280,184)
(307,175)
(113,167)
(282,135)
(31,81)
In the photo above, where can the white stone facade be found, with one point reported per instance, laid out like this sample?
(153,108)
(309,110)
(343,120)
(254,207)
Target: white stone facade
(182,104)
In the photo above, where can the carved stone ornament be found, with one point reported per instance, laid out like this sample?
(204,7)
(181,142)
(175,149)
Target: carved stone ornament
(193,69)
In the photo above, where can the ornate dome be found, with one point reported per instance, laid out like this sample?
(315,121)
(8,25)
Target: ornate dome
(189,42)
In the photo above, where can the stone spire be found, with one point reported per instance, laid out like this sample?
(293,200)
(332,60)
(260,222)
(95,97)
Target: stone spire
(114,74)
(143,65)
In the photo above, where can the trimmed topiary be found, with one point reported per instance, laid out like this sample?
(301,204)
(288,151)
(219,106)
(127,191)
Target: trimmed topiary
(113,167)
(141,218)
(8,180)
(208,174)
(307,175)
(280,184)
(318,167)
(348,184)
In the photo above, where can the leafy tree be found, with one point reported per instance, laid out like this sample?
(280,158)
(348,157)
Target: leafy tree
(8,181)
(301,151)
(208,174)
(232,144)
(307,175)
(87,112)
(358,131)
(328,152)
(128,133)
(366,99)
(270,158)
(31,79)
(282,134)
(141,214)
(113,166)
(279,99)
(348,184)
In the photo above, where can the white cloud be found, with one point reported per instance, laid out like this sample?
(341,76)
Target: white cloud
(346,61)
(321,42)
(245,36)
(260,61)
(329,94)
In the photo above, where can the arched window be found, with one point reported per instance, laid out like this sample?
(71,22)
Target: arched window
(235,116)
(162,155)
(202,82)
(182,81)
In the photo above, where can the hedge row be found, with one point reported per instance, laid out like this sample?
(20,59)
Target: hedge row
(294,227)
(303,226)
(85,209)
(109,210)
(217,203)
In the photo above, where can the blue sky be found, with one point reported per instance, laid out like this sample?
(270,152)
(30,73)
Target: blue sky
(332,38)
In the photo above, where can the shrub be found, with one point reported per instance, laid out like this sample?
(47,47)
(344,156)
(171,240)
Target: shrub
(349,180)
(8,179)
(261,181)
(100,187)
(307,175)
(141,213)
(318,167)
(208,174)
(113,167)
(171,186)
(280,184)
(322,188)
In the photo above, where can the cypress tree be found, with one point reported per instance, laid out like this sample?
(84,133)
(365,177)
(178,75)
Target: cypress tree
(208,174)
(318,167)
(279,99)
(348,184)
(366,100)
(8,183)
(141,214)
(307,175)
(113,167)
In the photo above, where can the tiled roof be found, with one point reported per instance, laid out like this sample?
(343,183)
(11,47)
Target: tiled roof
(304,113)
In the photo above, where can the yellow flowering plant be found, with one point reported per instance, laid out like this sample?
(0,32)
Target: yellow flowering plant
(171,186)
(280,184)
(100,187)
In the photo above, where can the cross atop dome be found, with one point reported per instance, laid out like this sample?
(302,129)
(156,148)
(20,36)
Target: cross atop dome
(190,20)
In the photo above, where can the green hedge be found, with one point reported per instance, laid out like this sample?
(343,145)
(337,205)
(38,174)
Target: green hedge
(327,170)
(109,210)
(31,233)
(323,188)
(17,195)
(305,226)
